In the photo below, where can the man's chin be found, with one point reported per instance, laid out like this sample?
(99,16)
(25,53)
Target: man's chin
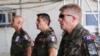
(62,28)
(12,26)
(37,28)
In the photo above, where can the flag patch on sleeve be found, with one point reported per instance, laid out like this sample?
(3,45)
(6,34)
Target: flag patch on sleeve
(26,37)
(88,37)
(52,38)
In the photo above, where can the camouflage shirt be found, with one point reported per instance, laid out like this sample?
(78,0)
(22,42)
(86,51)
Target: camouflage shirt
(43,42)
(20,41)
(74,45)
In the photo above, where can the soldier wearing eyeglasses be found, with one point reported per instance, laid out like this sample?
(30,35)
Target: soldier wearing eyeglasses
(76,40)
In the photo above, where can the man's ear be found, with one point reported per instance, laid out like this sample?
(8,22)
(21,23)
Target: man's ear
(75,17)
(46,22)
(18,22)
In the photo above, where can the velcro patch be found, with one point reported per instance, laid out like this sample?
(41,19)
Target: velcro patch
(88,37)
(17,38)
(26,37)
(53,38)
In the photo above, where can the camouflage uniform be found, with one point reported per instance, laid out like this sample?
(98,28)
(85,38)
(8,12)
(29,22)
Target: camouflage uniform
(74,45)
(43,42)
(20,42)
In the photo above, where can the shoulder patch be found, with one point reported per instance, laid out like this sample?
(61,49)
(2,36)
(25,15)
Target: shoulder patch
(88,37)
(53,38)
(26,37)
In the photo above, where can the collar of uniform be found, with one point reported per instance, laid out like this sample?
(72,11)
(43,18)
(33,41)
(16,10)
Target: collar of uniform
(18,32)
(47,30)
(75,32)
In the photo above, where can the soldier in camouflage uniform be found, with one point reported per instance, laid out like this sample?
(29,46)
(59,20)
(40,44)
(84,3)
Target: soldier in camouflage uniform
(46,41)
(76,41)
(21,42)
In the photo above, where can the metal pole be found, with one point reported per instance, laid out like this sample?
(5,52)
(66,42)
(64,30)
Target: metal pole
(98,16)
(81,6)
(97,40)
(91,9)
(78,2)
(63,2)
(4,4)
(75,1)
(20,7)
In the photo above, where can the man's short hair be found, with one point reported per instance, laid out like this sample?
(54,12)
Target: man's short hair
(45,16)
(72,7)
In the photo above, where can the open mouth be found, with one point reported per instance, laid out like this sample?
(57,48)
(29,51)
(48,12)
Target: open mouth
(61,25)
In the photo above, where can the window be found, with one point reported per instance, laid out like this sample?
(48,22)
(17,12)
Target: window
(6,17)
(2,18)
(92,18)
(90,21)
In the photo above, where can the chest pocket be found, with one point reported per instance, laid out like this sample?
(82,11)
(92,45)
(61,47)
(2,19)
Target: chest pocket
(40,46)
(20,44)
(75,46)
(40,41)
(74,49)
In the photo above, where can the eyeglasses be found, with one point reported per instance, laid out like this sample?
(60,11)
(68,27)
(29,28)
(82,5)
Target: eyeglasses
(62,15)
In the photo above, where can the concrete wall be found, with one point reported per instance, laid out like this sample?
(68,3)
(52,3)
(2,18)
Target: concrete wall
(29,12)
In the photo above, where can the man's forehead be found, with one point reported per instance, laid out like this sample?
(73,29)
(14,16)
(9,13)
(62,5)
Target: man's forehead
(39,18)
(18,17)
(65,11)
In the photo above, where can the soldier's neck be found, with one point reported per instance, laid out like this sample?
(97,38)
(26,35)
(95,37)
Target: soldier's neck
(71,29)
(18,28)
(45,28)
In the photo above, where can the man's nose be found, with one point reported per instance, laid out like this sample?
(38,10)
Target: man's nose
(36,22)
(59,19)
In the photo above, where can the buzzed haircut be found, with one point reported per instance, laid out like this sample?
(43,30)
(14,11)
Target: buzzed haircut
(18,17)
(45,16)
(72,7)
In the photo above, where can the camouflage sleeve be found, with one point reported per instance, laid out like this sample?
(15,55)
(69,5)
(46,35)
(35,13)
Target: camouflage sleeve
(90,45)
(52,41)
(27,40)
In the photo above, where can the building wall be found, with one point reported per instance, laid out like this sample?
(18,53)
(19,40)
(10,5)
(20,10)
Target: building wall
(30,15)
(29,12)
